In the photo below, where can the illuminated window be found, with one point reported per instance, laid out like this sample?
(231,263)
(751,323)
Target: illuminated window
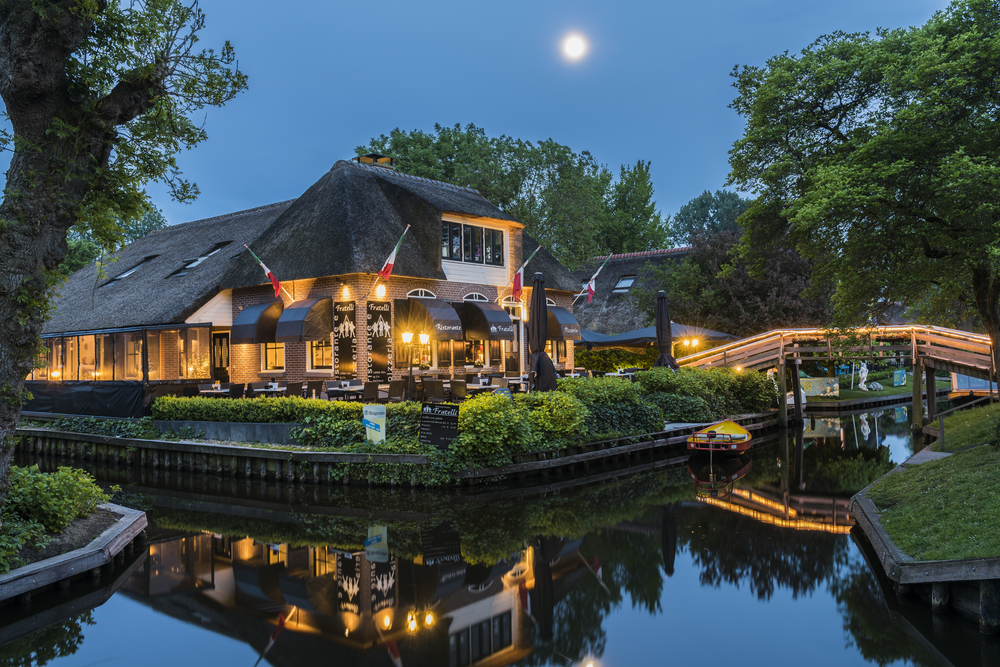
(320,355)
(469,243)
(273,358)
(624,285)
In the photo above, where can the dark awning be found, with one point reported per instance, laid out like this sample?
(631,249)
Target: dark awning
(562,325)
(309,319)
(433,317)
(483,320)
(256,324)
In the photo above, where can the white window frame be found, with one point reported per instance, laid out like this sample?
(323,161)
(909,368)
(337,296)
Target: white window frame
(421,294)
(309,358)
(475,296)
(263,359)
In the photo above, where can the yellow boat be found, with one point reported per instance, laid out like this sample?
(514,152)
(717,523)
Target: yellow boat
(725,436)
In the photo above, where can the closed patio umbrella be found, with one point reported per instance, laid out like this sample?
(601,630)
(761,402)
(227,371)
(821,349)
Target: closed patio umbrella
(664,339)
(541,372)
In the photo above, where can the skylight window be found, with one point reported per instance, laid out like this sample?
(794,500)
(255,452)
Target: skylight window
(623,285)
(126,274)
(195,261)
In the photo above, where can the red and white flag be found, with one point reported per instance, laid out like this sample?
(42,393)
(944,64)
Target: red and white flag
(592,283)
(270,274)
(387,267)
(597,568)
(518,285)
(522,595)
(274,636)
(393,650)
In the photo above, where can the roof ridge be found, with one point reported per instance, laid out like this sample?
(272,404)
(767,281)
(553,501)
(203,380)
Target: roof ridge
(223,216)
(643,253)
(385,171)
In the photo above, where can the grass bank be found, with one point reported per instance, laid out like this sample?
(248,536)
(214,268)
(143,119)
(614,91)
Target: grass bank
(848,394)
(945,509)
(970,427)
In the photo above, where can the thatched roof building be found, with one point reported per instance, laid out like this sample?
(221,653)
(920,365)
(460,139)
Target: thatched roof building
(613,308)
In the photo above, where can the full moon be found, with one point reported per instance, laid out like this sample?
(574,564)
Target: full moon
(574,47)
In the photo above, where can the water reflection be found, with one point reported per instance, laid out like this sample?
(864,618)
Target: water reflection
(531,577)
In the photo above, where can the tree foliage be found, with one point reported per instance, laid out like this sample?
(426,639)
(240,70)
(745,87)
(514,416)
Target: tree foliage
(83,250)
(568,201)
(99,98)
(875,155)
(707,214)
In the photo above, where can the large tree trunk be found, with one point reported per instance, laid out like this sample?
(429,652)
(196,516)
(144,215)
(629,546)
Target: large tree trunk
(986,294)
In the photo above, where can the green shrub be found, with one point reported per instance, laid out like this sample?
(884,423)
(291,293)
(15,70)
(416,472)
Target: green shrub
(491,427)
(328,433)
(615,405)
(554,418)
(263,410)
(53,499)
(610,360)
(725,390)
(16,534)
(691,409)
(597,390)
(120,428)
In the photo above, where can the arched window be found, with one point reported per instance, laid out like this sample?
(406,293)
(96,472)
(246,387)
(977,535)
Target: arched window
(421,294)
(550,302)
(512,307)
(475,296)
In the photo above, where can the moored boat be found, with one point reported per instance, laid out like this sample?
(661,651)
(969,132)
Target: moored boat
(725,436)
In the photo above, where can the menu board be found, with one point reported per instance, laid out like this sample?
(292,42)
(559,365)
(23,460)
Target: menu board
(345,340)
(348,583)
(379,341)
(383,584)
(438,425)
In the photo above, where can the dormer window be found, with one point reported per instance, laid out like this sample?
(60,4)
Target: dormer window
(473,244)
(195,261)
(126,274)
(624,285)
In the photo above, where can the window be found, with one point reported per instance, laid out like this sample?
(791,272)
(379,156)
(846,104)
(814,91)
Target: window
(480,641)
(320,355)
(623,285)
(512,307)
(126,274)
(128,355)
(550,302)
(444,348)
(475,296)
(556,349)
(469,243)
(273,358)
(421,294)
(475,353)
(195,261)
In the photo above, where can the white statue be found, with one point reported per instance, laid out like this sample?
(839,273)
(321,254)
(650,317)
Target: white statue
(863,375)
(865,428)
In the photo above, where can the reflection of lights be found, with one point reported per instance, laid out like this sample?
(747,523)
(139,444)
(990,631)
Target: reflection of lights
(795,524)
(347,632)
(411,624)
(387,621)
(429,619)
(380,291)
(760,500)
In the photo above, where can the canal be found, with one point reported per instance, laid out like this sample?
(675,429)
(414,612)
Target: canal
(747,560)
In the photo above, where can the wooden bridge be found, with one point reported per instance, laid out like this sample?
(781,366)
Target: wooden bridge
(926,348)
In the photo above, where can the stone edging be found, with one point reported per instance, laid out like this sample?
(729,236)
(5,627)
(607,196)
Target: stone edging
(98,553)
(902,568)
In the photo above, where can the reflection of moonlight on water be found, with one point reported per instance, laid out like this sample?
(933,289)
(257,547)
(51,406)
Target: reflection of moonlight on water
(574,46)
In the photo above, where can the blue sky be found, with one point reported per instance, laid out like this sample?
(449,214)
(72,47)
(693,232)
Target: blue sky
(325,77)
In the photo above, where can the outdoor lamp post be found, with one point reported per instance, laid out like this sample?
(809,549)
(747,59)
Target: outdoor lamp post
(407,341)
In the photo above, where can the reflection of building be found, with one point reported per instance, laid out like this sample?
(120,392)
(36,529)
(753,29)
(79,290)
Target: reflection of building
(437,608)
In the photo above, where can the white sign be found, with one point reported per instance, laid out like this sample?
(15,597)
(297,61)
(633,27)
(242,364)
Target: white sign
(373,417)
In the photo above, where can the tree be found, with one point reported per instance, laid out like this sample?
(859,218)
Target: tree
(566,200)
(876,157)
(82,250)
(707,213)
(633,223)
(98,97)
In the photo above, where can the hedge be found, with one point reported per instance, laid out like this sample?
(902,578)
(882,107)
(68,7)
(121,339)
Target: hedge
(726,391)
(616,407)
(675,408)
(263,410)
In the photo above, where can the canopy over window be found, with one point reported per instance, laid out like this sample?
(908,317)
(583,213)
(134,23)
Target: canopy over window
(562,325)
(256,324)
(484,320)
(309,319)
(433,317)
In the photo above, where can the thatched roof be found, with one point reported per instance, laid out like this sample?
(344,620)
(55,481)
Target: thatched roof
(347,222)
(611,313)
(150,295)
(557,276)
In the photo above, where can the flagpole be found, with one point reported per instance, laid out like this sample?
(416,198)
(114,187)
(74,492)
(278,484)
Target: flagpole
(593,277)
(504,289)
(383,266)
(599,580)
(262,264)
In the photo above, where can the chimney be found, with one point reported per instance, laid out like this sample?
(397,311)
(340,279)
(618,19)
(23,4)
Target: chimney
(376,160)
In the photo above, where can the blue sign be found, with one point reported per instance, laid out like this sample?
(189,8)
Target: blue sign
(374,539)
(898,377)
(372,425)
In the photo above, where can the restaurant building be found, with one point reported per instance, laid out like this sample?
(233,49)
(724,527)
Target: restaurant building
(189,303)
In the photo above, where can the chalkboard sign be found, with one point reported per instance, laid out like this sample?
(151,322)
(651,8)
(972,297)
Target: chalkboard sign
(438,424)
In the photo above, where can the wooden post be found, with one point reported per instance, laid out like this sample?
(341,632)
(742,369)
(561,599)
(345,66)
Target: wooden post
(931,395)
(797,392)
(989,607)
(918,407)
(940,596)
(782,389)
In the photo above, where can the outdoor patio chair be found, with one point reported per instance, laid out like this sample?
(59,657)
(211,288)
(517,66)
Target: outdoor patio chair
(236,390)
(191,391)
(459,391)
(471,378)
(205,387)
(434,391)
(396,389)
(512,374)
(371,394)
(314,388)
(294,389)
(503,383)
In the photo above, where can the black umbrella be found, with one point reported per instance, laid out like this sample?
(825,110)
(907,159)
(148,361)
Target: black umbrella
(541,372)
(663,334)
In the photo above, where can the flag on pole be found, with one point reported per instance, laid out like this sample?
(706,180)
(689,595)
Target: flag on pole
(274,635)
(597,568)
(592,284)
(387,267)
(519,277)
(522,595)
(393,650)
(270,274)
